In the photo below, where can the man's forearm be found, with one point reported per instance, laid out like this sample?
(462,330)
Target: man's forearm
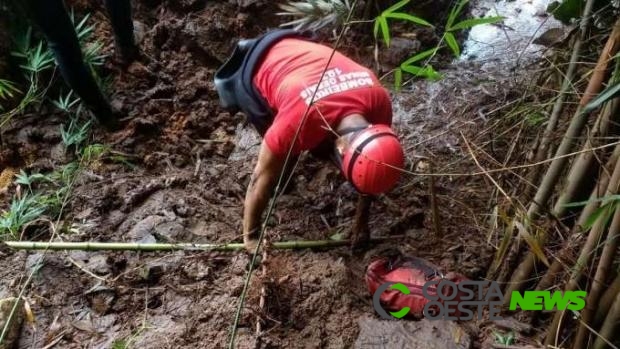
(256,199)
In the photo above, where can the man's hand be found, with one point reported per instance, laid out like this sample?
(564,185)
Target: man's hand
(250,241)
(360,233)
(262,182)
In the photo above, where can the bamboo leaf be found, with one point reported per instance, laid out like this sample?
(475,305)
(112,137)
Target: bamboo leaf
(385,30)
(532,242)
(468,23)
(502,250)
(398,79)
(420,56)
(607,198)
(426,72)
(453,44)
(456,10)
(396,6)
(7,89)
(594,217)
(408,17)
(605,96)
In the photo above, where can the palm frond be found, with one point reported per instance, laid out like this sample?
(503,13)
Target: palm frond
(315,14)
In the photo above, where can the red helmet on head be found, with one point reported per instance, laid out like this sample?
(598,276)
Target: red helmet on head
(373,160)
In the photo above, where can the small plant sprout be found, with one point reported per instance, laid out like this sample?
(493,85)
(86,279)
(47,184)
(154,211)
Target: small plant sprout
(66,103)
(38,59)
(74,134)
(82,30)
(504,338)
(21,212)
(92,54)
(93,152)
(7,90)
(28,180)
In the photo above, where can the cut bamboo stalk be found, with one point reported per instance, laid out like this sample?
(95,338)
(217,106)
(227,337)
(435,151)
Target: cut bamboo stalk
(600,281)
(434,204)
(595,235)
(135,246)
(562,258)
(609,326)
(523,271)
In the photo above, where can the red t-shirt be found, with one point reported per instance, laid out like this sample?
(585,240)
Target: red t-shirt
(287,77)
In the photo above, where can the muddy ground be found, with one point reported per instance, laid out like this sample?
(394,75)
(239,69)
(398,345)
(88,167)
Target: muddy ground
(190,164)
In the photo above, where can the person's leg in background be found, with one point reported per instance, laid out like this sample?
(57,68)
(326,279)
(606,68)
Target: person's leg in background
(53,20)
(119,12)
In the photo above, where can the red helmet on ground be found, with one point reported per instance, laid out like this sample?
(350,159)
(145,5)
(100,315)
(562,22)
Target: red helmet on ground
(373,160)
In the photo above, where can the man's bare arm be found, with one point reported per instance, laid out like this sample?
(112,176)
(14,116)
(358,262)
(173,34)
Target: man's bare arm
(262,184)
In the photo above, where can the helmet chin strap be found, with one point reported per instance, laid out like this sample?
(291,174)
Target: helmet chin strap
(347,130)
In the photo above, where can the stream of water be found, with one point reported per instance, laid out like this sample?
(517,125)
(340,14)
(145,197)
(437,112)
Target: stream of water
(505,43)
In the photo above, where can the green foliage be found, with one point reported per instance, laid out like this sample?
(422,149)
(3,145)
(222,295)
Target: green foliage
(81,29)
(451,27)
(47,193)
(608,94)
(22,211)
(120,344)
(398,79)
(7,89)
(65,174)
(94,152)
(92,54)
(426,71)
(66,103)
(605,211)
(422,68)
(74,134)
(381,22)
(504,338)
(566,11)
(29,179)
(36,58)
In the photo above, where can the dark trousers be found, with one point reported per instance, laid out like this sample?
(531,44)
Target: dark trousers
(53,20)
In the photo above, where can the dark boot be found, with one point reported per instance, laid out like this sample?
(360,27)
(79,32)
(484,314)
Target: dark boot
(53,20)
(122,24)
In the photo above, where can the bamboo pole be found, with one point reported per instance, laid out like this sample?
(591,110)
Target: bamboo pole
(609,326)
(594,236)
(600,281)
(563,256)
(523,271)
(558,106)
(606,301)
(584,164)
(135,246)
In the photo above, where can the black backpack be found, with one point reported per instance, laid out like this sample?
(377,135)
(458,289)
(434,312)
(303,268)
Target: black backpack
(233,80)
